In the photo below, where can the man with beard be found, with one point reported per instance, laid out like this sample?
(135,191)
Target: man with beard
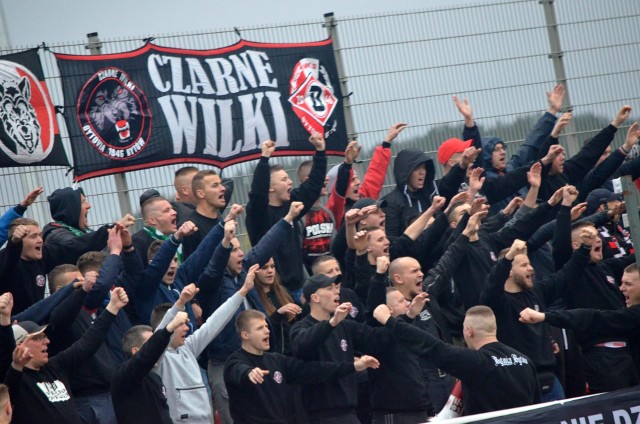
(510,288)
(623,323)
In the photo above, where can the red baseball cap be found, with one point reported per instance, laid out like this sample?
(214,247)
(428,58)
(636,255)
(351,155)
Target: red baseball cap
(450,147)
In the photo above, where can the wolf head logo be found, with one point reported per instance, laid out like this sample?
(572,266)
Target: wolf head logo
(19,117)
(114,108)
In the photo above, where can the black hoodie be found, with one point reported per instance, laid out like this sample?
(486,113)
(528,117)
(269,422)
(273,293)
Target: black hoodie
(65,205)
(403,204)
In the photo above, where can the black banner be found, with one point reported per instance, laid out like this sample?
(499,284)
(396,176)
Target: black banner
(619,407)
(159,105)
(29,133)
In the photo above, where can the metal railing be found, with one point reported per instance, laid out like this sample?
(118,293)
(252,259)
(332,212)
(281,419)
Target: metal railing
(406,66)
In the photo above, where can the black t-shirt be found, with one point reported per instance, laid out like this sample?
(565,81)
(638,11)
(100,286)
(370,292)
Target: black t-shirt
(204,224)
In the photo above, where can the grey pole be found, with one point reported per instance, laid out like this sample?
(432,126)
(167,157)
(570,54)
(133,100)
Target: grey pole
(332,30)
(559,71)
(94,45)
(632,200)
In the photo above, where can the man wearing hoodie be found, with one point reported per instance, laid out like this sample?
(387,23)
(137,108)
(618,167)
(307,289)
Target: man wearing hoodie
(187,395)
(70,228)
(414,173)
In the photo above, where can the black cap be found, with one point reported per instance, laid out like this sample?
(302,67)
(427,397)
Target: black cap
(318,281)
(598,197)
(149,194)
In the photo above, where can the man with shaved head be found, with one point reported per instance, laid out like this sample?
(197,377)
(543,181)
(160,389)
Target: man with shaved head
(407,278)
(159,223)
(494,376)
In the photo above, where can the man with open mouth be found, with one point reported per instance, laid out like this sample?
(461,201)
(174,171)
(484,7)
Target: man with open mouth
(598,289)
(39,384)
(326,335)
(622,323)
(261,383)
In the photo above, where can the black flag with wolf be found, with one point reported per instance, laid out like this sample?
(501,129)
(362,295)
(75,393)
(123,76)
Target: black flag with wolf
(29,133)
(161,105)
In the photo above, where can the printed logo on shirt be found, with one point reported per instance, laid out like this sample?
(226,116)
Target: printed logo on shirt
(353,311)
(510,361)
(54,391)
(493,256)
(277,377)
(164,391)
(536,308)
(425,315)
(343,345)
(40,280)
(611,280)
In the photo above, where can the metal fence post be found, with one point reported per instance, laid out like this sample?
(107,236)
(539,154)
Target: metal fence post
(559,71)
(94,45)
(632,200)
(331,25)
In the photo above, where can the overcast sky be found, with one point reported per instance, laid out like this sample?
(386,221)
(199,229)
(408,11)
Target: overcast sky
(31,22)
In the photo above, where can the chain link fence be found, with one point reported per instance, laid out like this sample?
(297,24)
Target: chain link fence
(405,67)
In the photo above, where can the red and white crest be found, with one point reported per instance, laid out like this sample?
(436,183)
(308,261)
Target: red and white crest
(311,95)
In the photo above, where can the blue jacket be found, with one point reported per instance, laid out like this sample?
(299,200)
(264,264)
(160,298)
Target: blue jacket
(150,291)
(7,218)
(527,153)
(217,285)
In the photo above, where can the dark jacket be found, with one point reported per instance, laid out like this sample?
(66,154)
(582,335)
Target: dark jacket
(261,217)
(576,168)
(403,204)
(65,207)
(137,392)
(532,340)
(217,285)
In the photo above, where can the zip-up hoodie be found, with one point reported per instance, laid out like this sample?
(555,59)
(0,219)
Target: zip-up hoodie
(187,395)
(402,204)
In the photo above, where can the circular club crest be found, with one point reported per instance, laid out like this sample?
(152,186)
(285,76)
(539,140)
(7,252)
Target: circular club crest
(28,118)
(114,114)
(40,280)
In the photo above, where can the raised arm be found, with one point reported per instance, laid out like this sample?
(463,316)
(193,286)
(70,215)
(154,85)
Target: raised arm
(277,234)
(95,336)
(309,191)
(16,212)
(257,220)
(373,179)
(579,165)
